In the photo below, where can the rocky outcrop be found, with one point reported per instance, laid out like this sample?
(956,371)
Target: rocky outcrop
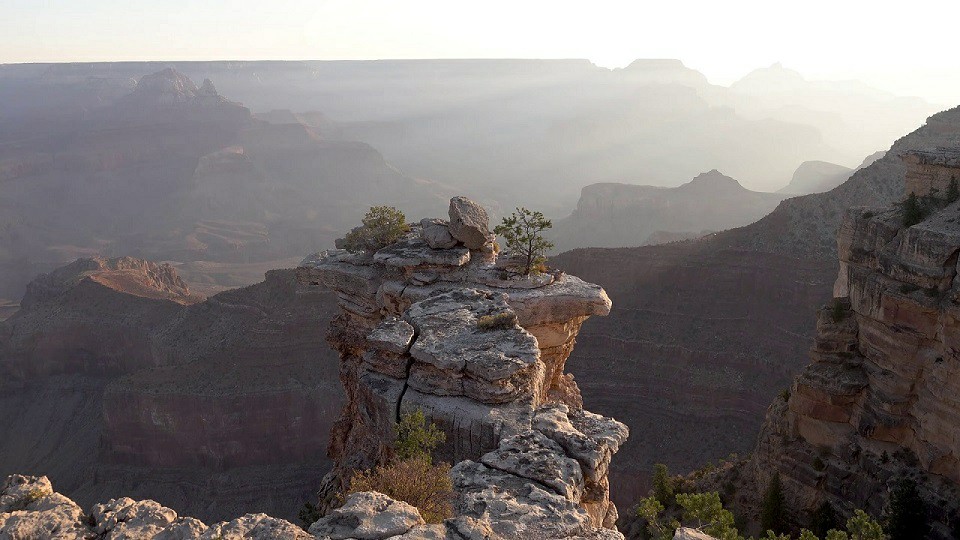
(930,171)
(879,401)
(482,353)
(29,508)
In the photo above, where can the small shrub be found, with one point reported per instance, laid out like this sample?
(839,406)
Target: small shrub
(415,481)
(868,214)
(308,514)
(785,394)
(837,311)
(414,439)
(499,321)
(824,519)
(35,495)
(908,288)
(382,226)
(818,464)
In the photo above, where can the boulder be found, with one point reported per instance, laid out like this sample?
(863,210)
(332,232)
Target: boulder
(368,516)
(436,233)
(469,223)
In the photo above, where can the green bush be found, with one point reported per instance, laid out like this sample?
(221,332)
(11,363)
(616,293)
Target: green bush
(415,481)
(308,514)
(414,439)
(382,226)
(912,211)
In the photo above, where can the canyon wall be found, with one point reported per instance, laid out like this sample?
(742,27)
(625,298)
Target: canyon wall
(879,401)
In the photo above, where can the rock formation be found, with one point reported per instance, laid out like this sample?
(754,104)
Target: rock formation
(623,215)
(816,177)
(879,402)
(115,380)
(481,352)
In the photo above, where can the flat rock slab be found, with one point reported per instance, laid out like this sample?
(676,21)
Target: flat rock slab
(413,251)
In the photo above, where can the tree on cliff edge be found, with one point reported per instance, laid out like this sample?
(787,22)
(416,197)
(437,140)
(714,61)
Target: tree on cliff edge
(521,230)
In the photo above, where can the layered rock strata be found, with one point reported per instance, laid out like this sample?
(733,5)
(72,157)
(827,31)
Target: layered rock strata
(881,399)
(481,352)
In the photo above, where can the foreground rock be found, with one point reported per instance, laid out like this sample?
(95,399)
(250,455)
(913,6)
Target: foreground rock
(29,508)
(482,353)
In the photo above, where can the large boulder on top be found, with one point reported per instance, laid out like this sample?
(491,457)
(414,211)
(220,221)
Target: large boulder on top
(469,223)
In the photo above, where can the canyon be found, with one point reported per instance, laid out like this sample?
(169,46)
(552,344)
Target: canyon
(731,311)
(531,463)
(118,381)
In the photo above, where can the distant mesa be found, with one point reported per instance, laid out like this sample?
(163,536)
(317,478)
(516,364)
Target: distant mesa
(624,215)
(816,177)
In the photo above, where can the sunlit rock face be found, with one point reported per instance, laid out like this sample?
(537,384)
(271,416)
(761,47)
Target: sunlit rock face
(881,399)
(481,352)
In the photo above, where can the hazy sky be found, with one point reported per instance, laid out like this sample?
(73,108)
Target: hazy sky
(905,47)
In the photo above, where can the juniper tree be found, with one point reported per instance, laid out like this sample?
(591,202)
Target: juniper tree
(522,233)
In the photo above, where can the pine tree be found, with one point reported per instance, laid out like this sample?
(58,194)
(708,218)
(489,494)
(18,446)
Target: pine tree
(773,516)
(824,519)
(521,230)
(912,213)
(662,485)
(953,192)
(908,516)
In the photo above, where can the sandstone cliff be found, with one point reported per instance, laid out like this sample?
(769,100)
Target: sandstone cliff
(879,402)
(411,336)
(728,314)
